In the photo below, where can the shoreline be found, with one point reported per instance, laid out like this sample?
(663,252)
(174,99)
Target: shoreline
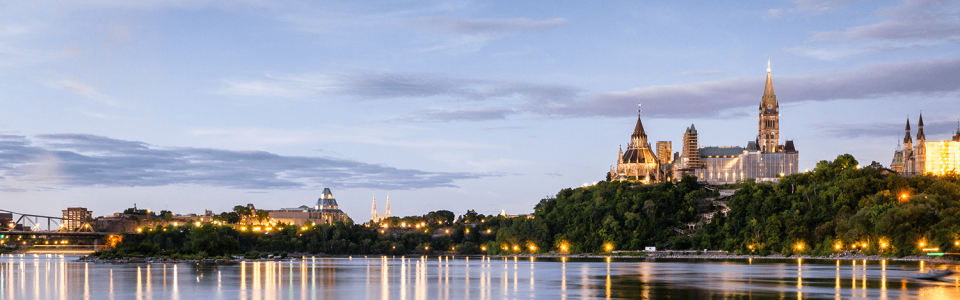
(936,259)
(651,257)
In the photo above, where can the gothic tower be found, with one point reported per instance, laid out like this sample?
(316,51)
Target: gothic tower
(769,135)
(908,161)
(373,213)
(920,151)
(388,207)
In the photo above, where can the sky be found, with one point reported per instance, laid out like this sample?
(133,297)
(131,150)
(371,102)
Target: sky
(486,105)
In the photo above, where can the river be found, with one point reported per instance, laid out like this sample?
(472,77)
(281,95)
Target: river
(358,277)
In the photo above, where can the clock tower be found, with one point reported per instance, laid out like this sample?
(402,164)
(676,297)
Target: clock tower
(769,134)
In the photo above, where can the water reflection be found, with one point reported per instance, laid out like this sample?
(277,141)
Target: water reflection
(446,277)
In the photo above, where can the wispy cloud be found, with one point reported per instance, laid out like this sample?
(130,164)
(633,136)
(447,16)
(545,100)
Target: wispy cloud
(888,129)
(449,115)
(708,99)
(444,88)
(912,24)
(913,20)
(494,27)
(701,73)
(86,91)
(471,34)
(808,7)
(715,98)
(94,161)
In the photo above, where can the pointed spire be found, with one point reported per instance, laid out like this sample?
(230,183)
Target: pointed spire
(638,131)
(920,135)
(768,89)
(906,137)
(373,212)
(388,206)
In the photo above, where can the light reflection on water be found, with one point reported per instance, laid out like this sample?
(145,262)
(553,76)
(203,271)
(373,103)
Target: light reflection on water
(52,277)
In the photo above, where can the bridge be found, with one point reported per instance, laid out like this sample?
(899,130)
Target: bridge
(22,224)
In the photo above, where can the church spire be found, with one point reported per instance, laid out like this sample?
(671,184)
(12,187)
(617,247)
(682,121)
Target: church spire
(920,136)
(387,215)
(373,212)
(906,137)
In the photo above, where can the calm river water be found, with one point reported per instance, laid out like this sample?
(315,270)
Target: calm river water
(42,277)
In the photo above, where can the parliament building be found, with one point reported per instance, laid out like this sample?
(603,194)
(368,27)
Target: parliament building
(763,159)
(934,157)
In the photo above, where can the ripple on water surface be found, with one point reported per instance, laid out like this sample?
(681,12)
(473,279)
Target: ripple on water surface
(445,277)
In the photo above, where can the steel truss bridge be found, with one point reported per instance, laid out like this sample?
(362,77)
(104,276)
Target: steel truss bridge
(29,224)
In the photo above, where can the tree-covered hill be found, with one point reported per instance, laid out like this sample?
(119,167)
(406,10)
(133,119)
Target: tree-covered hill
(840,206)
(622,215)
(837,207)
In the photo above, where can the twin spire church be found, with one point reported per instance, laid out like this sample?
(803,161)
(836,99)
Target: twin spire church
(377,218)
(763,159)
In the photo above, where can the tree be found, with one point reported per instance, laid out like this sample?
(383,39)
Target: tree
(262,215)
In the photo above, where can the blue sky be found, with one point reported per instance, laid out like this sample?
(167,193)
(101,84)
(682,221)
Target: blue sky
(487,105)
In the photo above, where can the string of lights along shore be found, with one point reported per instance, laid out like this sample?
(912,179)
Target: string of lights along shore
(763,159)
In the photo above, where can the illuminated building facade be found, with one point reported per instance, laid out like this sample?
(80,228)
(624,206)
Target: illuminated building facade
(934,157)
(764,159)
(377,218)
(639,163)
(665,152)
(326,211)
(74,217)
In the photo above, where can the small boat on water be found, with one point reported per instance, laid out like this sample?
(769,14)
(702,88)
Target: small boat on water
(934,274)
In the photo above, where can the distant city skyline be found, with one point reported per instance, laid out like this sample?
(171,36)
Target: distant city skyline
(194,105)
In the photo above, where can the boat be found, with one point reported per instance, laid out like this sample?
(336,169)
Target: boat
(934,274)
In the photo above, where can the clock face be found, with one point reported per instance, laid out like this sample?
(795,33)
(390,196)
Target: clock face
(769,106)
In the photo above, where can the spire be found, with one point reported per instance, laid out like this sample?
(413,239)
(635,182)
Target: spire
(388,206)
(906,137)
(768,89)
(373,212)
(920,136)
(638,131)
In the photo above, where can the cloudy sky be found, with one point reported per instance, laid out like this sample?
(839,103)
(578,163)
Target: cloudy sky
(486,105)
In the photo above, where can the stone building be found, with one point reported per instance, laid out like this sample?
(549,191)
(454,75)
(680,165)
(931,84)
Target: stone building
(326,211)
(935,157)
(377,218)
(763,159)
(639,163)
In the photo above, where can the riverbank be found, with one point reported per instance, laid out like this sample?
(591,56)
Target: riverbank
(653,256)
(645,256)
